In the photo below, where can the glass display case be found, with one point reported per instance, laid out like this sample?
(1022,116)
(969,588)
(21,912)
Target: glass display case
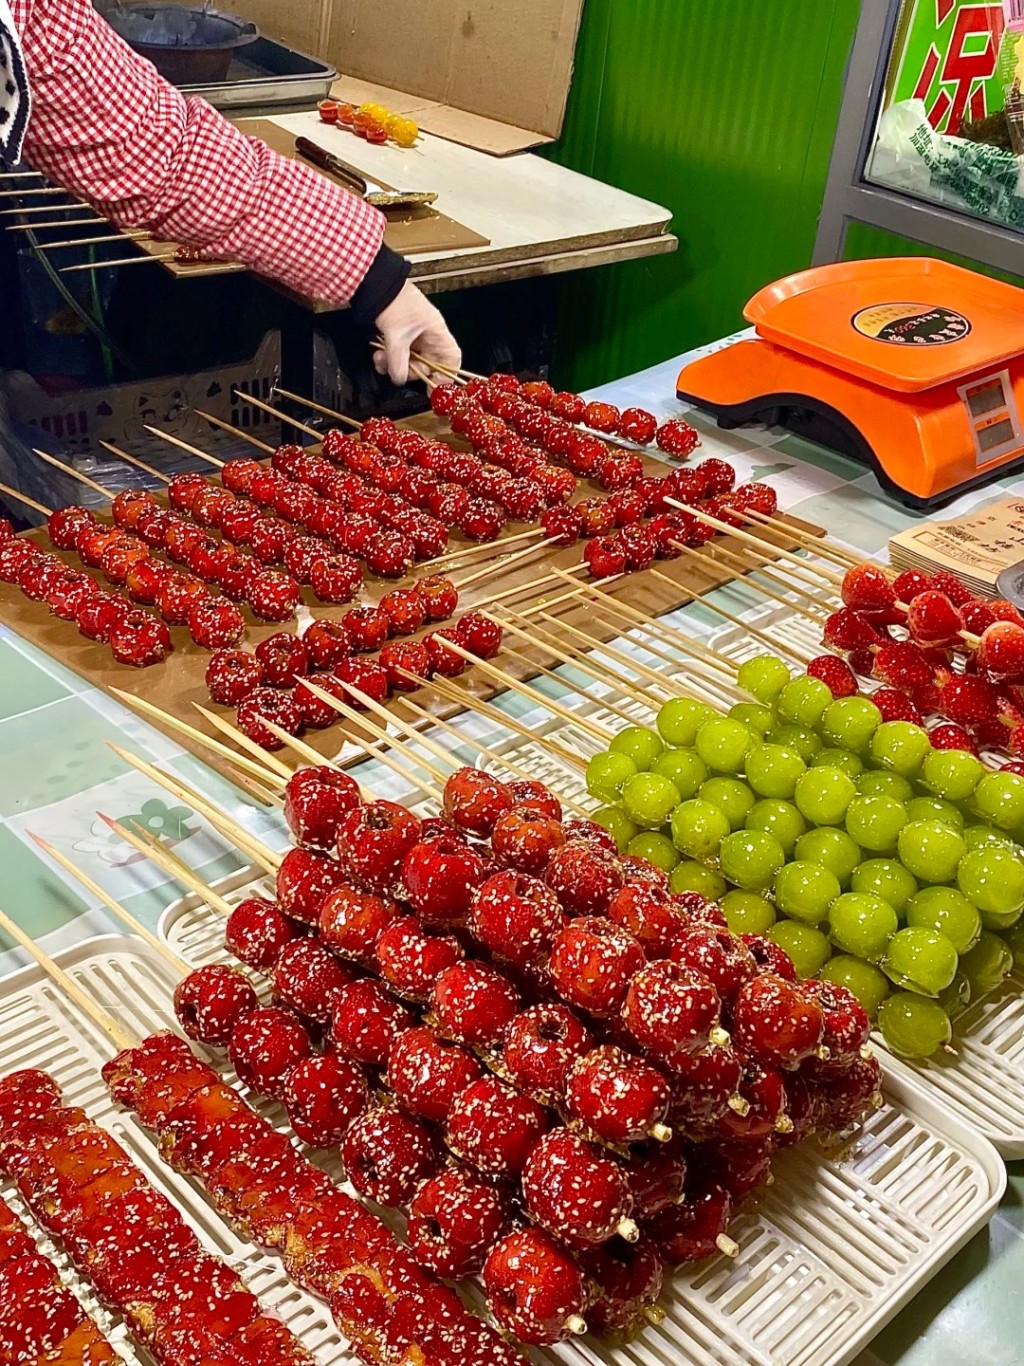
(930,142)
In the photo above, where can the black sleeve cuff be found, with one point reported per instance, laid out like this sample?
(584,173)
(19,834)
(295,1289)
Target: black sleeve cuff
(380,286)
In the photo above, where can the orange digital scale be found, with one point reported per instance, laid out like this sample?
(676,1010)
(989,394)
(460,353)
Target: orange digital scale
(909,365)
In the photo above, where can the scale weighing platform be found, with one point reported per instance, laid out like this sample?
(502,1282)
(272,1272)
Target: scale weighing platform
(909,365)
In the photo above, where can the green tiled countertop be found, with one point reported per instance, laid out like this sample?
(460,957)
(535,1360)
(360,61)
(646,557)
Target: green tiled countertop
(57,774)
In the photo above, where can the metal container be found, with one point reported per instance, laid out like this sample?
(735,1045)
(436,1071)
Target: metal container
(187,46)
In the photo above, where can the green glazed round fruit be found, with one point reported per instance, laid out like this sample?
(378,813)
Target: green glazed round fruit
(679,721)
(947,910)
(875,782)
(849,723)
(607,774)
(780,819)
(639,743)
(732,797)
(750,859)
(685,768)
(617,823)
(1014,940)
(887,878)
(655,848)
(862,924)
(875,823)
(993,880)
(748,913)
(649,800)
(773,770)
(763,677)
(807,946)
(931,850)
(833,849)
(850,764)
(695,877)
(803,702)
(984,837)
(913,1026)
(921,960)
(987,965)
(868,983)
(935,809)
(900,747)
(823,795)
(956,997)
(999,799)
(804,741)
(723,744)
(805,891)
(754,715)
(698,829)
(952,774)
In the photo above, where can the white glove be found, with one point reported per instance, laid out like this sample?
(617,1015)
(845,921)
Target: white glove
(412,323)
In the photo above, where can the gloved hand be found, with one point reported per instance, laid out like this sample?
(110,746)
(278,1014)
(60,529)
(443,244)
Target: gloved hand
(412,323)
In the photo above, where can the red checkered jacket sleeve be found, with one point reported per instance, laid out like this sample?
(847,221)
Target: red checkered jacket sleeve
(106,126)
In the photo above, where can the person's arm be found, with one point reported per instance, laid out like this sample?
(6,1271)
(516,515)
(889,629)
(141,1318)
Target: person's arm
(107,126)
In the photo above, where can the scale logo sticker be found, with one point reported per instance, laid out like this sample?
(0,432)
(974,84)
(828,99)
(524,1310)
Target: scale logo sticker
(911,324)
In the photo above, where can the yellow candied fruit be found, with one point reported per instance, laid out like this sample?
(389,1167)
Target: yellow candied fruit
(403,131)
(377,112)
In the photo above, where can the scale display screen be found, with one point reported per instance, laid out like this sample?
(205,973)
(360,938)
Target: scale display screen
(992,417)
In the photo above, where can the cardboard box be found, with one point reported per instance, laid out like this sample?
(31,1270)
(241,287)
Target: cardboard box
(490,75)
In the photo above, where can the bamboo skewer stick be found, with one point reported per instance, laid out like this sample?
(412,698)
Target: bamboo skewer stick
(310,756)
(797,656)
(317,407)
(262,772)
(748,572)
(276,412)
(24,498)
(276,765)
(91,241)
(774,573)
(238,834)
(357,718)
(626,661)
(410,732)
(483,749)
(44,189)
(76,205)
(150,848)
(599,733)
(466,700)
(503,563)
(184,446)
(134,460)
(557,576)
(823,545)
(236,431)
(136,926)
(118,1035)
(75,474)
(62,223)
(760,545)
(144,260)
(447,560)
(384,754)
(674,661)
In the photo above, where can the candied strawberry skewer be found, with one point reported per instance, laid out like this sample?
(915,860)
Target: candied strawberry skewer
(41,1320)
(179,1301)
(331,1245)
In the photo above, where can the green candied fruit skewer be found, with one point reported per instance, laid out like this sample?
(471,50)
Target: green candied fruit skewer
(763,677)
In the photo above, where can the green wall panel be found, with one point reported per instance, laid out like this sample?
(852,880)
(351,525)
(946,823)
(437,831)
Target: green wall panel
(725,110)
(864,241)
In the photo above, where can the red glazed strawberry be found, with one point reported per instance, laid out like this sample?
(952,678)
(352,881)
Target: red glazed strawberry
(945,582)
(525,839)
(304,882)
(933,619)
(265,1046)
(211,1001)
(494,1129)
(535,1289)
(327,643)
(619,1098)
(387,1155)
(351,922)
(324,1094)
(835,673)
(405,610)
(952,737)
(584,879)
(373,841)
(389,554)
(516,917)
(315,800)
(969,700)
(670,1009)
(475,801)
(1000,652)
(407,664)
(575,1192)
(902,664)
(848,630)
(285,659)
(309,979)
(439,595)
(273,596)
(366,1023)
(444,660)
(257,933)
(440,876)
(139,639)
(99,614)
(426,1073)
(541,1045)
(777,1022)
(362,679)
(474,1003)
(367,627)
(592,961)
(679,438)
(896,706)
(216,624)
(605,557)
(867,589)
(410,960)
(335,578)
(268,704)
(454,1220)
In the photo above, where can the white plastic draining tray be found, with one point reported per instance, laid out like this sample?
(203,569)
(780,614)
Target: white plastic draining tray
(835,1249)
